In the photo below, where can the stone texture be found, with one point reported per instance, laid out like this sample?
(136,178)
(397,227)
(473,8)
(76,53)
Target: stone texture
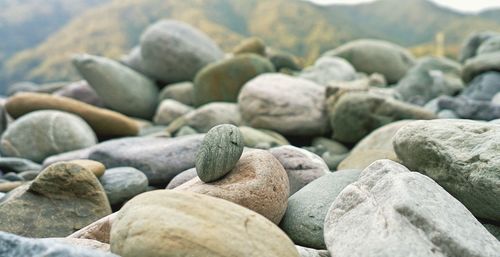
(182,178)
(309,252)
(472,43)
(261,138)
(18,165)
(181,92)
(120,88)
(208,116)
(98,230)
(480,64)
(81,243)
(483,87)
(470,109)
(172,223)
(376,56)
(391,211)
(222,81)
(123,183)
(429,78)
(174,51)
(490,45)
(327,69)
(16,246)
(376,146)
(460,155)
(253,45)
(356,114)
(40,134)
(258,182)
(307,209)
(105,123)
(65,197)
(95,167)
(81,91)
(169,110)
(302,166)
(287,105)
(219,152)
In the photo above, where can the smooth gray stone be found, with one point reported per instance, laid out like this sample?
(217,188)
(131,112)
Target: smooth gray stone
(493,229)
(15,246)
(123,183)
(309,252)
(470,109)
(169,110)
(182,178)
(327,69)
(219,152)
(208,116)
(18,165)
(305,215)
(490,45)
(174,51)
(182,92)
(40,134)
(483,87)
(120,88)
(29,175)
(460,155)
(391,211)
(480,64)
(11,176)
(186,131)
(472,43)
(302,166)
(81,91)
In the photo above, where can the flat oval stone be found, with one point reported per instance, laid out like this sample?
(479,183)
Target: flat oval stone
(219,152)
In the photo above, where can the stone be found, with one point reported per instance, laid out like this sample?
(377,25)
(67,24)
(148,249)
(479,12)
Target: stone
(414,214)
(65,197)
(356,114)
(284,61)
(98,230)
(81,243)
(174,51)
(375,146)
(480,64)
(4,120)
(27,86)
(18,165)
(208,116)
(460,155)
(258,182)
(181,92)
(329,145)
(327,69)
(376,56)
(309,252)
(302,166)
(120,88)
(447,114)
(123,183)
(429,78)
(483,87)
(7,186)
(105,123)
(95,167)
(490,45)
(28,175)
(222,81)
(307,209)
(496,99)
(169,110)
(173,223)
(472,43)
(290,106)
(494,230)
(470,109)
(14,246)
(186,131)
(259,137)
(253,45)
(11,176)
(219,152)
(182,178)
(81,91)
(40,134)
(333,160)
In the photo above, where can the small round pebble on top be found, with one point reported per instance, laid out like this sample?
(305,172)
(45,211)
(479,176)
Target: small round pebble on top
(219,152)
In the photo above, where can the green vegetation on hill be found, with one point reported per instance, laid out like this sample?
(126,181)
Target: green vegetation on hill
(300,27)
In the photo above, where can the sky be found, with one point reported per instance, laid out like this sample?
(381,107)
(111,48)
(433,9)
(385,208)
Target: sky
(461,5)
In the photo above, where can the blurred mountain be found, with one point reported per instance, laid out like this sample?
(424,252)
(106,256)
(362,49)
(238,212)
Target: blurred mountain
(300,27)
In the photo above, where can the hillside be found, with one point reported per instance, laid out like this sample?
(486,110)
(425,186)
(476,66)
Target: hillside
(302,28)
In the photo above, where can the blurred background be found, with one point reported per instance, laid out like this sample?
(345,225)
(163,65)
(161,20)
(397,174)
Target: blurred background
(38,38)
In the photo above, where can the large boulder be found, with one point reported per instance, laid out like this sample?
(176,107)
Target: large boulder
(375,56)
(120,88)
(391,211)
(327,69)
(301,165)
(258,182)
(40,134)
(429,78)
(222,81)
(355,114)
(105,123)
(16,246)
(288,105)
(63,198)
(306,211)
(460,155)
(174,51)
(173,223)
